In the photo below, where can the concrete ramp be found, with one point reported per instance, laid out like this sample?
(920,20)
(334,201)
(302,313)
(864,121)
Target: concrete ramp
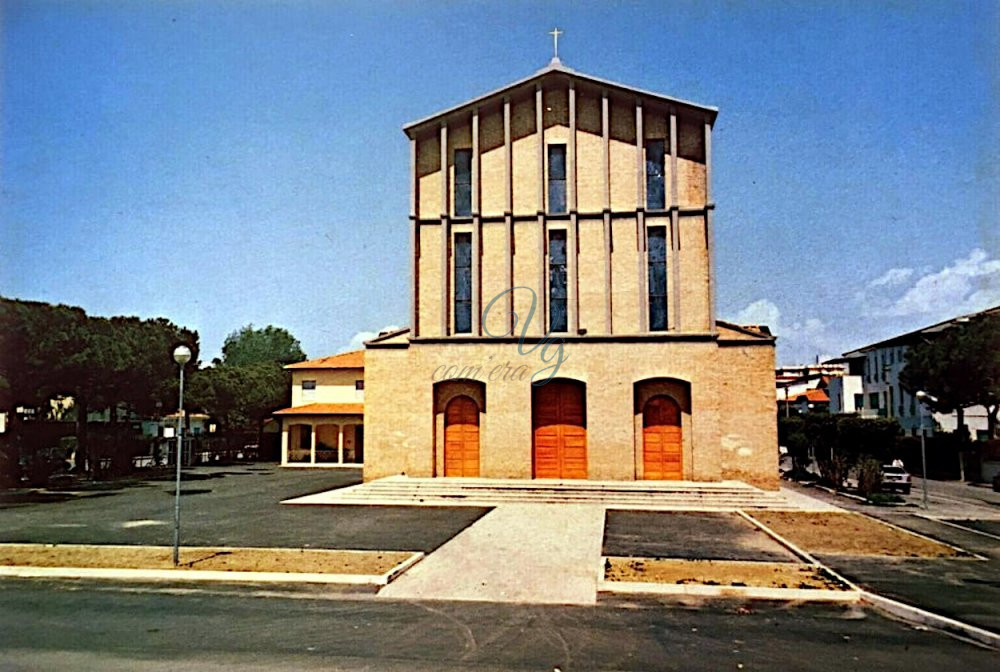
(525,553)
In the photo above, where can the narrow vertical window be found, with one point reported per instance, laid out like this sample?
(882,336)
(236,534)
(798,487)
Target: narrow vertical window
(463,182)
(557,178)
(557,281)
(655,192)
(463,283)
(657,261)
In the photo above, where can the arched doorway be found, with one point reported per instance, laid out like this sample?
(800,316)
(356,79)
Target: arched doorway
(461,437)
(662,439)
(559,437)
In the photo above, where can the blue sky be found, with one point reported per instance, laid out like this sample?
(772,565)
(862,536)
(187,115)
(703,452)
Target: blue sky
(223,163)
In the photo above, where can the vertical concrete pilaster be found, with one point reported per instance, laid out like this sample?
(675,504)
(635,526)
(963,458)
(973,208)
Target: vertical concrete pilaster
(476,229)
(675,242)
(445,233)
(709,226)
(606,171)
(508,217)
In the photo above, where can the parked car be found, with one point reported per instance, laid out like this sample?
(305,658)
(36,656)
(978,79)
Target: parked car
(896,478)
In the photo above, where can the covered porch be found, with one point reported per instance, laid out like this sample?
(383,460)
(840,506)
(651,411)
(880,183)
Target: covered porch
(322,435)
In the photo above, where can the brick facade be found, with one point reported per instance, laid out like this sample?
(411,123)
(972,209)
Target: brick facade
(721,375)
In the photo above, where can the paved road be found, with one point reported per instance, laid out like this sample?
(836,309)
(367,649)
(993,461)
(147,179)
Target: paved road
(956,499)
(85,626)
(227,506)
(966,589)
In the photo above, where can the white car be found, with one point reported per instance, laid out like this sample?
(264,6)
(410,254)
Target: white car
(896,478)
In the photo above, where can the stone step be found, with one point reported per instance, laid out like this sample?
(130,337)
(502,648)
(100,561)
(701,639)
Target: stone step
(638,505)
(549,488)
(516,484)
(679,495)
(574,497)
(726,501)
(639,493)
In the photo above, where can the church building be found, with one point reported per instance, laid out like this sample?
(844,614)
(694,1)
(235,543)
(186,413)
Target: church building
(563,298)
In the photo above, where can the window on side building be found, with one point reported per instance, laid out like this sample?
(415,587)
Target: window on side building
(463,182)
(308,390)
(657,262)
(558,321)
(655,191)
(557,179)
(463,283)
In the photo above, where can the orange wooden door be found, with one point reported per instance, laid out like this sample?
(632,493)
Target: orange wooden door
(461,438)
(661,440)
(560,431)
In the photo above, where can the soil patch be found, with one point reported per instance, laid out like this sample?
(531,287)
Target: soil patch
(292,561)
(720,573)
(844,533)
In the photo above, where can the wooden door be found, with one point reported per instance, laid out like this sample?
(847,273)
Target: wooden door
(661,440)
(461,438)
(560,431)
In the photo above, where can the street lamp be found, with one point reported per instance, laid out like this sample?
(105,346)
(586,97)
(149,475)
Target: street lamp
(923,398)
(182,355)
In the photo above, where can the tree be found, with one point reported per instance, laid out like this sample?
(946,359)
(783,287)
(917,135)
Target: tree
(961,368)
(249,383)
(55,350)
(256,346)
(792,435)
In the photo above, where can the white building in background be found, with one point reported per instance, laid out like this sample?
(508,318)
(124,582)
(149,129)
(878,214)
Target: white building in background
(878,367)
(846,394)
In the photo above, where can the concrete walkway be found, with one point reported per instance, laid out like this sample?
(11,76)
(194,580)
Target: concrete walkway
(526,553)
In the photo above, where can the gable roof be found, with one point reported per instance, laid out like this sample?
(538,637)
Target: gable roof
(345,360)
(555,66)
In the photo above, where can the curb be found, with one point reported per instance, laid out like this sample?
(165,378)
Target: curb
(957,526)
(887,605)
(920,616)
(182,575)
(839,493)
(925,537)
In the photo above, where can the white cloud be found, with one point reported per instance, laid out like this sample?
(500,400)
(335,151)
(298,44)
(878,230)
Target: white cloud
(358,340)
(968,284)
(892,277)
(759,312)
(800,341)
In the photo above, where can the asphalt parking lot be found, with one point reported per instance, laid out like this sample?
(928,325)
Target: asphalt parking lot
(696,536)
(226,506)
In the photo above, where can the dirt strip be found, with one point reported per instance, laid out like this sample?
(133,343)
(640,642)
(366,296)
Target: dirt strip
(720,573)
(845,533)
(211,559)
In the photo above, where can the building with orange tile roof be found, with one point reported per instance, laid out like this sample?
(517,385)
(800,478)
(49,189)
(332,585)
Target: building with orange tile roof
(324,425)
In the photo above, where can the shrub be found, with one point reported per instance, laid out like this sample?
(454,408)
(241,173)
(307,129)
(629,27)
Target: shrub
(869,476)
(884,499)
(833,470)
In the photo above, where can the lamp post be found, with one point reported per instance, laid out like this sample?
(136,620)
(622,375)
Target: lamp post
(923,398)
(182,355)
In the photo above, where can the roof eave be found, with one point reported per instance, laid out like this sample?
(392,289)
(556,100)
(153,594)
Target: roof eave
(411,127)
